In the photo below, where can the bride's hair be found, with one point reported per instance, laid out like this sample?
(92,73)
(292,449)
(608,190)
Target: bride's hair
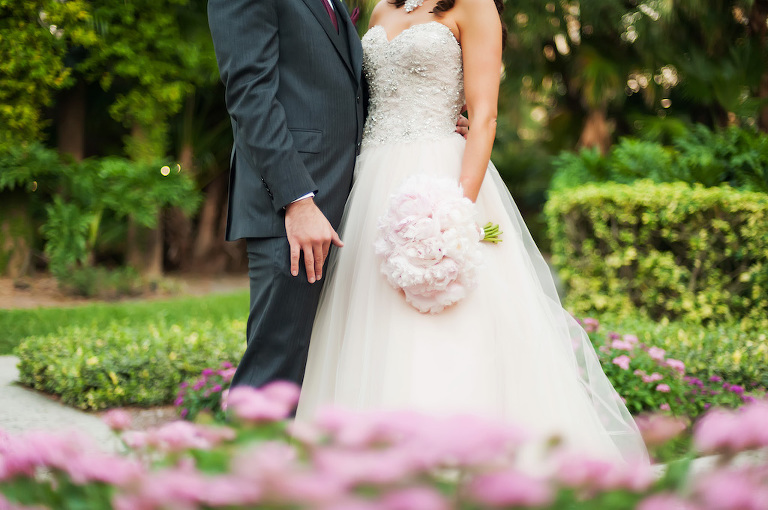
(447,5)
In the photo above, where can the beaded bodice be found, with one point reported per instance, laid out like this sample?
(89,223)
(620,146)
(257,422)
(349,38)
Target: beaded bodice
(416,84)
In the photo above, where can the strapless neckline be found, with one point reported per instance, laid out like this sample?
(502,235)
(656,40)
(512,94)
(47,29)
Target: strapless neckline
(417,26)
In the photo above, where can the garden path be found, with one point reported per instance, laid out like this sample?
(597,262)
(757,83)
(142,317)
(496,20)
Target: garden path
(23,410)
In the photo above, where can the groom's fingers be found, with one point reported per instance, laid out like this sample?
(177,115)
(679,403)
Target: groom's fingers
(336,240)
(309,262)
(295,252)
(319,253)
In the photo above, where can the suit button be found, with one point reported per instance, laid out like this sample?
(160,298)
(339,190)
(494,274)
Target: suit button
(358,99)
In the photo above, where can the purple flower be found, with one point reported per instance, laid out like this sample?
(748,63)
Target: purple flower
(216,388)
(715,378)
(737,389)
(207,372)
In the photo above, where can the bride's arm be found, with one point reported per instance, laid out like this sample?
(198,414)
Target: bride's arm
(480,30)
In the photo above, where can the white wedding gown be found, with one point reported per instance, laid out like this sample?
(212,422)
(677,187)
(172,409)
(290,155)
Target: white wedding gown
(507,351)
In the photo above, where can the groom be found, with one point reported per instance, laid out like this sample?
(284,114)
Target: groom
(292,72)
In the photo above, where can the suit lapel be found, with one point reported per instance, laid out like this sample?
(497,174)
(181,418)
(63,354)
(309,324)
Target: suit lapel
(336,37)
(355,48)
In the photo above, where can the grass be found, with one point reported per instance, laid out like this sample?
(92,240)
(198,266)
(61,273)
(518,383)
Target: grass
(16,325)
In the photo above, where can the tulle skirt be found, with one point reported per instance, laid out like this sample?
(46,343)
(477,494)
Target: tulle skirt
(508,351)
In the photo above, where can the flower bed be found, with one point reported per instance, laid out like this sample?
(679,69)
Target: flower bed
(371,461)
(101,367)
(649,379)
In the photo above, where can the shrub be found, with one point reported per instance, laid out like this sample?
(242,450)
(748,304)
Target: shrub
(102,282)
(119,365)
(668,250)
(205,394)
(735,156)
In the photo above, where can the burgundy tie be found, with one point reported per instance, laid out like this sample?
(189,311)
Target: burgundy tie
(327,4)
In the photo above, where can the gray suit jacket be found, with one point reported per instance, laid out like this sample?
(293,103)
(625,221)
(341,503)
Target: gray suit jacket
(294,94)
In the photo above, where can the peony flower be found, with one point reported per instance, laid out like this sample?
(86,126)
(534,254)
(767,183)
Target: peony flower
(622,361)
(429,243)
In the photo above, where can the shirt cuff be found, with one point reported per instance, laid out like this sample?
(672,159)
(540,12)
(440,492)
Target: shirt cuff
(308,195)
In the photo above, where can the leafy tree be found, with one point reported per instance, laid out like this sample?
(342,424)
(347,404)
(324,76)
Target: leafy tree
(34,40)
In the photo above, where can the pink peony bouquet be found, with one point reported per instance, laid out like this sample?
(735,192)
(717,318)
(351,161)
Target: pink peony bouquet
(429,242)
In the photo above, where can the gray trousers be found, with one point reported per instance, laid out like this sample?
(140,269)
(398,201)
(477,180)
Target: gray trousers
(281,315)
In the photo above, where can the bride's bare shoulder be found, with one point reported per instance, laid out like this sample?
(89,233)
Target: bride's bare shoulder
(380,8)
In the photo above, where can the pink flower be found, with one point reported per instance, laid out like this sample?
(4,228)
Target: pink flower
(664,407)
(657,429)
(510,488)
(415,498)
(657,353)
(631,339)
(665,501)
(591,325)
(675,364)
(117,419)
(622,345)
(732,490)
(622,361)
(253,406)
(663,388)
(283,392)
(653,377)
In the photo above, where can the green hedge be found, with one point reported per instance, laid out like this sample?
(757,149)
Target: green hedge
(668,250)
(118,365)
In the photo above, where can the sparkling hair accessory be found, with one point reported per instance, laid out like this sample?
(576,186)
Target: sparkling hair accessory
(410,5)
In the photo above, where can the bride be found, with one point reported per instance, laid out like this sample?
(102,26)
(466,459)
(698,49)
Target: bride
(508,351)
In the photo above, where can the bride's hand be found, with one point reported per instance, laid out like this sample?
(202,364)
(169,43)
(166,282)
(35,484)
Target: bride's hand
(462,125)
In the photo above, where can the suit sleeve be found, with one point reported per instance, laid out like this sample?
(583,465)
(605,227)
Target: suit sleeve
(245,38)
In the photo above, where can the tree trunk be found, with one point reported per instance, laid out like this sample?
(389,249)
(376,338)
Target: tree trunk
(145,246)
(16,234)
(207,232)
(596,132)
(144,252)
(71,122)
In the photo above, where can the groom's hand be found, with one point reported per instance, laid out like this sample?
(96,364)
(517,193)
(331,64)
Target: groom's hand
(309,232)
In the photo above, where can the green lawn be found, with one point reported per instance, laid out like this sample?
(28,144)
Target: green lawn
(15,325)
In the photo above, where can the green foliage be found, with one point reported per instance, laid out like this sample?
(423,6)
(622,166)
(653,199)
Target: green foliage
(100,282)
(17,325)
(668,250)
(733,351)
(734,155)
(118,365)
(35,37)
(66,235)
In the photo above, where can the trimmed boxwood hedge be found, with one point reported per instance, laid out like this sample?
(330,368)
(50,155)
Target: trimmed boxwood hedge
(119,365)
(669,250)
